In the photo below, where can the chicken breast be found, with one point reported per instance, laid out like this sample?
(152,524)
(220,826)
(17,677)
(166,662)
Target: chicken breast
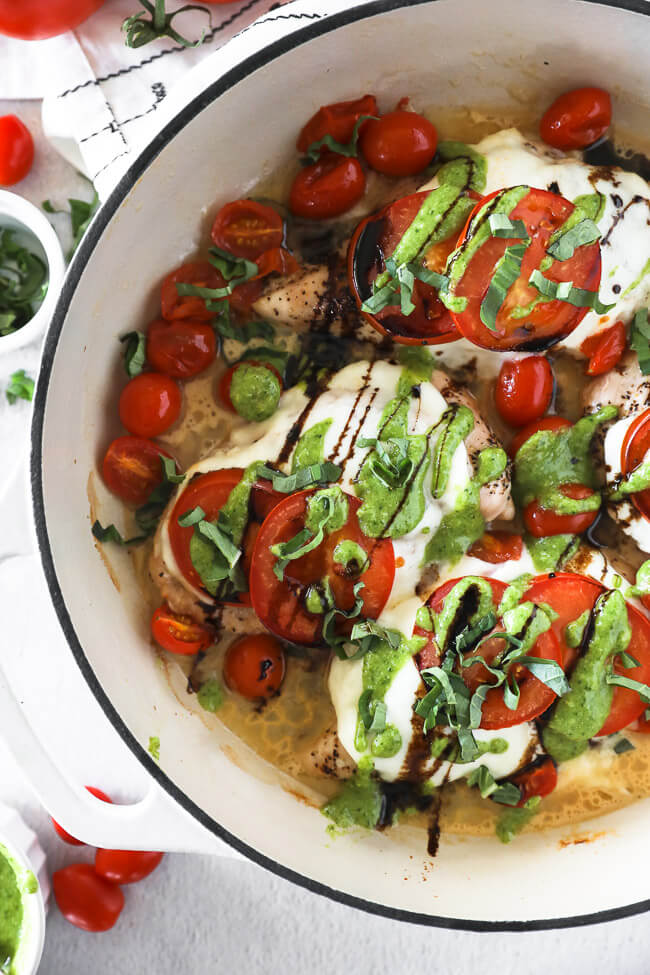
(624,386)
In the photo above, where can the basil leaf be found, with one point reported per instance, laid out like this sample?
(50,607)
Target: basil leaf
(548,672)
(471,633)
(640,339)
(366,628)
(507,794)
(565,291)
(191,517)
(325,473)
(565,246)
(502,226)
(111,534)
(169,470)
(643,690)
(623,745)
(134,352)
(306,540)
(506,272)
(348,149)
(234,270)
(244,333)
(21,386)
(339,643)
(211,531)
(627,660)
(23,283)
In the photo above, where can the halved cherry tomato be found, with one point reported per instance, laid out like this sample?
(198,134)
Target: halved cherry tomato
(497,546)
(279,603)
(174,306)
(181,348)
(126,866)
(132,469)
(278,260)
(546,322)
(539,778)
(247,229)
(86,899)
(337,120)
(577,118)
(16,150)
(179,634)
(327,188)
(542,522)
(570,595)
(149,404)
(523,390)
(400,143)
(605,349)
(254,666)
(546,423)
(636,445)
(68,837)
(534,696)
(375,238)
(226,380)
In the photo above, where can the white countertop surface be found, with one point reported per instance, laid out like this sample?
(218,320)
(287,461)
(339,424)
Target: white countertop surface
(200,914)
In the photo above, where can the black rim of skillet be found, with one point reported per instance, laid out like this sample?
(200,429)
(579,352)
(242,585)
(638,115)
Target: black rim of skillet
(259,59)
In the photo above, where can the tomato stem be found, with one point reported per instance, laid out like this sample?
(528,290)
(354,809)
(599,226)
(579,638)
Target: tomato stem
(141,30)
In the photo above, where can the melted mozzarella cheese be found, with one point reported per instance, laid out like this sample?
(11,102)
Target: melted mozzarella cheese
(624,513)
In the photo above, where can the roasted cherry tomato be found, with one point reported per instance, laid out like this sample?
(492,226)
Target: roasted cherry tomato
(126,866)
(132,468)
(523,321)
(546,423)
(399,143)
(63,833)
(85,899)
(539,778)
(497,547)
(254,666)
(149,404)
(577,118)
(179,634)
(281,603)
(534,696)
(33,20)
(605,349)
(376,238)
(226,381)
(327,188)
(542,522)
(337,120)
(16,149)
(182,348)
(523,390)
(278,260)
(174,306)
(636,444)
(570,595)
(247,229)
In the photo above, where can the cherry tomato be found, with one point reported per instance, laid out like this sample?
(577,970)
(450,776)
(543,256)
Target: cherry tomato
(32,20)
(179,634)
(68,837)
(247,229)
(497,547)
(200,273)
(181,348)
(605,349)
(132,468)
(149,404)
(542,522)
(254,666)
(126,866)
(337,120)
(577,118)
(570,595)
(545,322)
(523,390)
(546,423)
(327,188)
(399,143)
(534,696)
(377,237)
(16,149)
(280,603)
(636,444)
(86,899)
(539,778)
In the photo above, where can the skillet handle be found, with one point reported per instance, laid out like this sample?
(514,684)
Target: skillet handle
(155,822)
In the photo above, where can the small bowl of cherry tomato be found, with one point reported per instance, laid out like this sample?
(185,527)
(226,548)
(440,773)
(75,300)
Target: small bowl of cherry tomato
(32,267)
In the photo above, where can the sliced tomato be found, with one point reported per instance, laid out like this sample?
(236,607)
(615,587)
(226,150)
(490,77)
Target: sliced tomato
(400,143)
(327,188)
(132,469)
(375,238)
(546,423)
(547,322)
(542,522)
(577,118)
(605,349)
(337,120)
(539,778)
(497,547)
(254,666)
(523,390)
(636,444)
(179,634)
(280,604)
(534,696)
(570,595)
(174,306)
(246,229)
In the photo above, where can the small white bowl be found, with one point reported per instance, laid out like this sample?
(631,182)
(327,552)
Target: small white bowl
(19,214)
(21,846)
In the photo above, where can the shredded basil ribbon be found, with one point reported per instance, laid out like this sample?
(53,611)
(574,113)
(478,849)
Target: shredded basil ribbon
(506,272)
(502,226)
(507,794)
(134,352)
(21,386)
(305,541)
(623,745)
(389,461)
(325,473)
(564,247)
(81,213)
(640,339)
(372,711)
(399,289)
(348,149)
(565,291)
(23,278)
(235,271)
(619,680)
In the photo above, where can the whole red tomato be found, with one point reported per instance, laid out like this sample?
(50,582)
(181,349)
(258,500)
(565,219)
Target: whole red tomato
(34,19)
(16,150)
(85,899)
(126,866)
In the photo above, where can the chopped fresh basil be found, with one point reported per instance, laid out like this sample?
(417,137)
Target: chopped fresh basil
(234,270)
(502,226)
(324,511)
(564,247)
(111,534)
(565,291)
(154,747)
(372,711)
(619,680)
(23,283)
(640,339)
(134,352)
(507,794)
(81,213)
(506,272)
(623,745)
(390,461)
(348,149)
(191,517)
(325,473)
(21,386)
(244,333)
(148,514)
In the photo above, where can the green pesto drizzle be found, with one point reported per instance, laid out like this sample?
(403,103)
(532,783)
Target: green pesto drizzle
(310,448)
(357,804)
